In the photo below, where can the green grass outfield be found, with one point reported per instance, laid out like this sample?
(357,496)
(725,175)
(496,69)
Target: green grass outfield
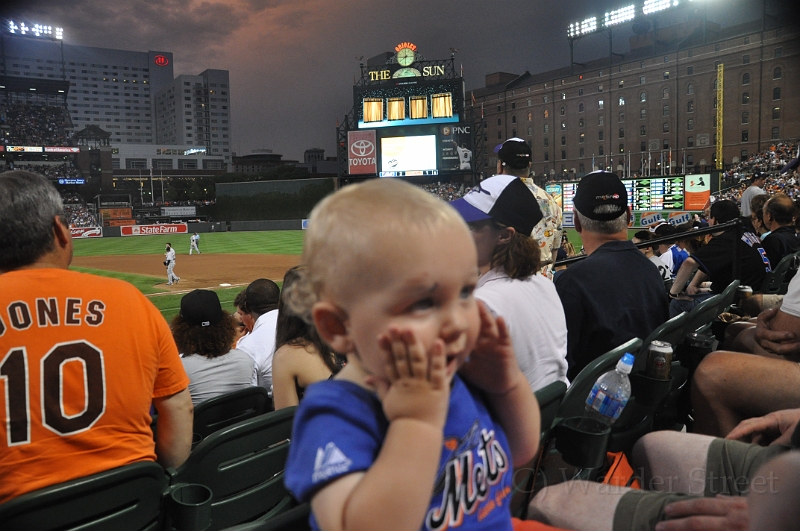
(245,242)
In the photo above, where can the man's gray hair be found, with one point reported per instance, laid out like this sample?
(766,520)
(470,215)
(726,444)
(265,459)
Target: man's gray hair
(28,204)
(604,227)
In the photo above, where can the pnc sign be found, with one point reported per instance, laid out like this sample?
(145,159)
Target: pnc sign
(361,152)
(161,60)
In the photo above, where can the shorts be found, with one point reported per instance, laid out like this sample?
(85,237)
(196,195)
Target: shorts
(730,468)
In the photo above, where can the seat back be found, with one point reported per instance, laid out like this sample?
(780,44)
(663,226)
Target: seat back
(672,331)
(295,519)
(549,398)
(701,315)
(575,398)
(777,281)
(243,466)
(127,498)
(230,408)
(728,295)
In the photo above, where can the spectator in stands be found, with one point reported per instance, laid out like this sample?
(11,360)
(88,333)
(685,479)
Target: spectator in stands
(756,182)
(92,350)
(204,334)
(714,262)
(670,253)
(729,387)
(755,223)
(781,240)
(501,215)
(301,356)
(649,252)
(696,482)
(241,329)
(616,293)
(514,158)
(261,317)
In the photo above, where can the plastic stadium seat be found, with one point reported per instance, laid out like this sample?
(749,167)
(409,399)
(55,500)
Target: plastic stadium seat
(222,411)
(672,331)
(127,498)
(728,296)
(295,519)
(575,399)
(701,315)
(243,466)
(777,282)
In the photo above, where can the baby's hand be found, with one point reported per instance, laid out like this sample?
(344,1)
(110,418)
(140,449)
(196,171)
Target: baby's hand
(415,384)
(492,366)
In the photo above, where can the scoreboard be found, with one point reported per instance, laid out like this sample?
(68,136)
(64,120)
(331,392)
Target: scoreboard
(656,194)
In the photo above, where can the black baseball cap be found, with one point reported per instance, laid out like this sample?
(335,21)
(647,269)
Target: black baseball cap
(515,153)
(597,189)
(201,307)
(503,198)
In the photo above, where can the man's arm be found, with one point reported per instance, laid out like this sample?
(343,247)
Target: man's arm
(174,428)
(777,332)
(687,269)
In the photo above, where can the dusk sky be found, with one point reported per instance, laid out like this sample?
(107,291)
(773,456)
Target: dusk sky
(292,62)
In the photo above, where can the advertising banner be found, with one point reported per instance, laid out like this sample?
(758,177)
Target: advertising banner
(116,213)
(61,149)
(86,232)
(455,151)
(119,222)
(24,149)
(362,153)
(698,190)
(649,218)
(149,230)
(179,211)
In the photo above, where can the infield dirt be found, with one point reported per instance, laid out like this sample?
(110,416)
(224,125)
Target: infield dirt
(198,271)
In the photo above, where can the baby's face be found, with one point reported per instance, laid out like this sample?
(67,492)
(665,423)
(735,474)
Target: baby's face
(423,284)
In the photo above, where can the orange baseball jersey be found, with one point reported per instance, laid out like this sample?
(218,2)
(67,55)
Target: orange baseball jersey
(81,358)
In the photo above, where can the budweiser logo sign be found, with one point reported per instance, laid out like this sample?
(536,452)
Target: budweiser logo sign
(86,232)
(148,230)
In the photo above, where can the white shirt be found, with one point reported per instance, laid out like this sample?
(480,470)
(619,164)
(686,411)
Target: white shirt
(260,345)
(791,301)
(171,254)
(194,238)
(535,317)
(747,196)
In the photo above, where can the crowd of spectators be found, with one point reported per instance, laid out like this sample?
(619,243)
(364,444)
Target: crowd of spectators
(35,125)
(769,162)
(51,171)
(446,191)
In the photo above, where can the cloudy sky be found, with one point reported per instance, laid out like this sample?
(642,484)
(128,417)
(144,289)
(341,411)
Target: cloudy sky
(292,62)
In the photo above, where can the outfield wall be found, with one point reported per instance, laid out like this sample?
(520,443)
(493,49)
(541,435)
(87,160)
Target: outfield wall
(269,200)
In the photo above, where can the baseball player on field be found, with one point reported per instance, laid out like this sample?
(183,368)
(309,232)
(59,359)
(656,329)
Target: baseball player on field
(169,261)
(194,239)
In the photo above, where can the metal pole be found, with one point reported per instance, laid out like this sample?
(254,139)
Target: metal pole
(163,199)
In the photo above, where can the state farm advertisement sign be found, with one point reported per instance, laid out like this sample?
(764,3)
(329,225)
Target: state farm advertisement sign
(86,232)
(361,152)
(149,230)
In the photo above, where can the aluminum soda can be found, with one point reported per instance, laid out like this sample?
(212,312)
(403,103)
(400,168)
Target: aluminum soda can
(659,360)
(743,292)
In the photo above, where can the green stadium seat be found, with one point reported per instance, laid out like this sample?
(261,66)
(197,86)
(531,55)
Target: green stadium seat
(222,411)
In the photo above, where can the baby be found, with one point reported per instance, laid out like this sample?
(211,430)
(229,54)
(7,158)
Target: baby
(423,426)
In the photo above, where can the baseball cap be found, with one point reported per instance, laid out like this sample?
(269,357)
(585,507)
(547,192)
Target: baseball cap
(262,295)
(201,307)
(597,189)
(514,152)
(503,198)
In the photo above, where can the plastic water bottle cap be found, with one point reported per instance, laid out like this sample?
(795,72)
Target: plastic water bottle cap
(626,363)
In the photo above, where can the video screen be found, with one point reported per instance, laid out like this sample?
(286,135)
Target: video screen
(403,156)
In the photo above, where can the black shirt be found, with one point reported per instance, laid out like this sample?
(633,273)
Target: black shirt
(610,297)
(779,243)
(716,260)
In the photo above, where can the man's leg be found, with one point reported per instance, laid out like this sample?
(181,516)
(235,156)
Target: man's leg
(773,502)
(671,461)
(729,387)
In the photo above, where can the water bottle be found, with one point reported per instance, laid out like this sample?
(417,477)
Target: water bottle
(610,393)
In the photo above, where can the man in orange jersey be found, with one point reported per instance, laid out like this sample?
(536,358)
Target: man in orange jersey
(82,357)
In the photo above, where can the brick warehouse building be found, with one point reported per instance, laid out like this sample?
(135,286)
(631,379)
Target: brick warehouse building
(652,101)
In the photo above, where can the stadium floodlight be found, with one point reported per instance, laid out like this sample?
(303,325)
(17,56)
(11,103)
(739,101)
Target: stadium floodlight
(39,30)
(652,6)
(618,16)
(578,29)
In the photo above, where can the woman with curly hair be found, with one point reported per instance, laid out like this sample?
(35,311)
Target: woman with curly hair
(301,357)
(204,333)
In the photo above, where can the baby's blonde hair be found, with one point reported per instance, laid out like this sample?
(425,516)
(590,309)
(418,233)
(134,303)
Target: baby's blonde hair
(343,227)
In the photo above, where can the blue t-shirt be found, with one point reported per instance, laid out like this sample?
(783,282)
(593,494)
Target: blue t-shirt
(678,257)
(339,429)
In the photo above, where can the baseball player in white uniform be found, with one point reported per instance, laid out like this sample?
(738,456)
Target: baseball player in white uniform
(193,247)
(169,261)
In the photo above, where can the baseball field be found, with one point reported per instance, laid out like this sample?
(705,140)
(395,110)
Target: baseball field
(229,261)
